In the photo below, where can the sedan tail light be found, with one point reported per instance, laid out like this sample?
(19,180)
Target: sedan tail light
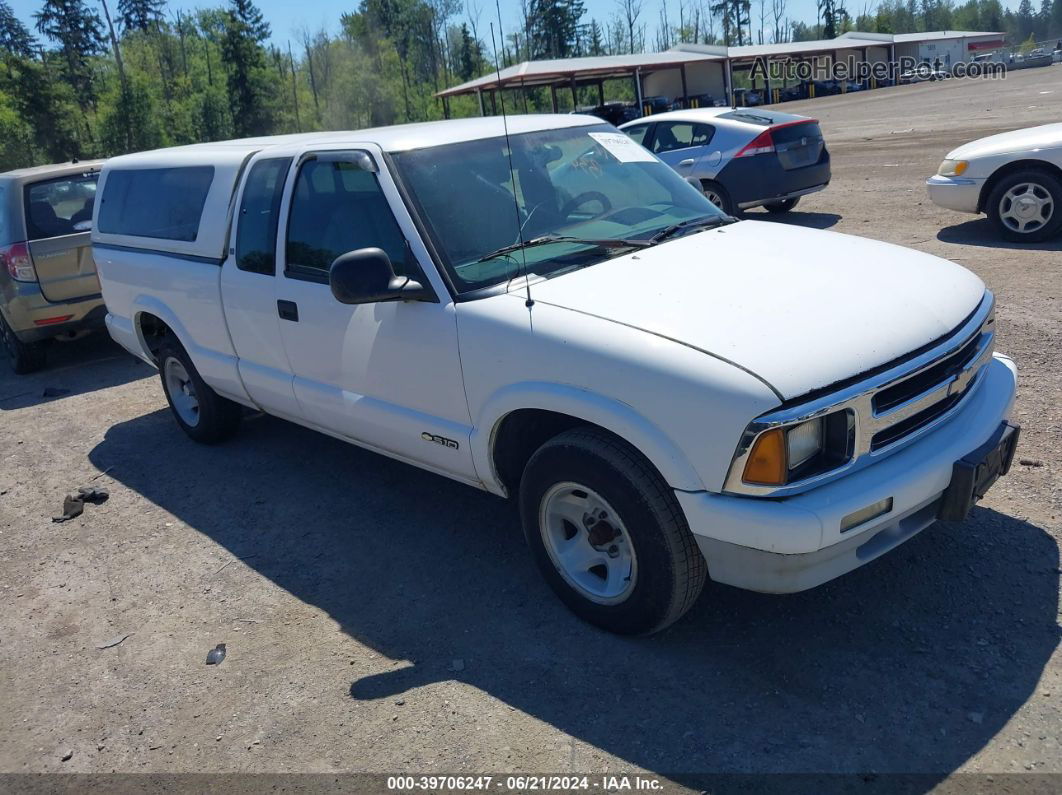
(16,259)
(760,145)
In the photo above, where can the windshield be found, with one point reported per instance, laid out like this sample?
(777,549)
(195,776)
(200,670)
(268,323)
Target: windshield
(589,183)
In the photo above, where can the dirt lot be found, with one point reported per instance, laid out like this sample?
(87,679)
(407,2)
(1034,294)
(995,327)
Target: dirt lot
(379,618)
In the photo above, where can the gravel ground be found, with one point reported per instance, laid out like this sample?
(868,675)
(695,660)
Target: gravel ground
(379,618)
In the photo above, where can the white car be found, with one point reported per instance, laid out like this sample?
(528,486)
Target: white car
(550,313)
(1015,178)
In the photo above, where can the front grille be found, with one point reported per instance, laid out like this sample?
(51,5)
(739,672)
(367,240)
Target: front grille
(892,396)
(904,427)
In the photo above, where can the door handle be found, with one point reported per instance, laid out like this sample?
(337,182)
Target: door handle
(288,310)
(686,163)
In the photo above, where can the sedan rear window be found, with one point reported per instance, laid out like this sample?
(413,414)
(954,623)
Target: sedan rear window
(60,206)
(162,203)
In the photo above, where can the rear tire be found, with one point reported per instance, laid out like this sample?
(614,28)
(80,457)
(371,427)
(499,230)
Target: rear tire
(25,357)
(607,534)
(1029,200)
(717,195)
(784,206)
(200,411)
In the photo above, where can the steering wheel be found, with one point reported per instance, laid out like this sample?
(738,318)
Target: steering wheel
(586,196)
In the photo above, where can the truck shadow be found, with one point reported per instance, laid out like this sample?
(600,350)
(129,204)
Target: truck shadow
(980,232)
(74,368)
(911,664)
(795,218)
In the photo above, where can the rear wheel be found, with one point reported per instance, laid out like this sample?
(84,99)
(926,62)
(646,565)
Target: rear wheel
(717,195)
(783,206)
(1026,206)
(200,411)
(607,533)
(25,357)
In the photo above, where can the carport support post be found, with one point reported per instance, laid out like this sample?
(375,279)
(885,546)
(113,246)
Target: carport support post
(575,95)
(479,96)
(685,90)
(553,96)
(728,80)
(493,103)
(638,89)
(600,92)
(446,107)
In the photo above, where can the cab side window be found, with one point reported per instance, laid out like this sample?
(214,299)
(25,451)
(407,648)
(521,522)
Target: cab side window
(339,207)
(256,235)
(680,135)
(637,134)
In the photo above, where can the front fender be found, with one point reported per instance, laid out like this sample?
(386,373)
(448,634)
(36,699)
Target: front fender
(608,413)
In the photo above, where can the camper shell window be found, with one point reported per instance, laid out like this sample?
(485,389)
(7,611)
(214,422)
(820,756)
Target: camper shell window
(160,203)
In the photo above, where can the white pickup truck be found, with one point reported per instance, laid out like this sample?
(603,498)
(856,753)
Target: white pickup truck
(549,312)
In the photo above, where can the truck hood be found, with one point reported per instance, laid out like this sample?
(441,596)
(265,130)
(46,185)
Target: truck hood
(799,308)
(1046,136)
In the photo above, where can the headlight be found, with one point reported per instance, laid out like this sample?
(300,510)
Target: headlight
(952,168)
(780,455)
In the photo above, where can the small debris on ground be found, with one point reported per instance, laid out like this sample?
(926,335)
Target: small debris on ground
(1030,462)
(67,755)
(114,641)
(216,655)
(74,504)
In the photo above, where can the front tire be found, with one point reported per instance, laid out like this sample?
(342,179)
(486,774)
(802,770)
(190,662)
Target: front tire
(1026,206)
(200,411)
(25,357)
(607,534)
(783,206)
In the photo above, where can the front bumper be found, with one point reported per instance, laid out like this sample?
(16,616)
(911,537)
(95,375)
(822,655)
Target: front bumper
(792,544)
(961,194)
(24,304)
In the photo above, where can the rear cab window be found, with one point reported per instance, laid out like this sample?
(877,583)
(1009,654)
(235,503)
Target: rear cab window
(256,235)
(60,206)
(160,203)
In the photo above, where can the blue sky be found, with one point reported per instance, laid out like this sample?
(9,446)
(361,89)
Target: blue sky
(287,17)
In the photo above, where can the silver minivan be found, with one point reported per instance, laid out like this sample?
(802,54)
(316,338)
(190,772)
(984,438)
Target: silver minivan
(48,283)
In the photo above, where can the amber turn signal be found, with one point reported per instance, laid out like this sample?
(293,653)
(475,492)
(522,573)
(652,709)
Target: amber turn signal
(766,464)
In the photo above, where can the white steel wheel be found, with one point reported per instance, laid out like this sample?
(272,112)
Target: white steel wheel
(588,543)
(1026,208)
(181,390)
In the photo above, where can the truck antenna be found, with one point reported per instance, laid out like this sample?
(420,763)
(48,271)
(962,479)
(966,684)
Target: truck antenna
(512,172)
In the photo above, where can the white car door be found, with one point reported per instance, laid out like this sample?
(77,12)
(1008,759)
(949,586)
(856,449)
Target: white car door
(385,375)
(248,288)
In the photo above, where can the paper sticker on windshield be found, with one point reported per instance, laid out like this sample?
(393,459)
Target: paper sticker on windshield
(622,148)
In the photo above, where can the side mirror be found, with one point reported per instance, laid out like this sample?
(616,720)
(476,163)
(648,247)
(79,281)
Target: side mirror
(366,276)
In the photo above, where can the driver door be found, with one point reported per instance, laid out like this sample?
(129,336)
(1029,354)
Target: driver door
(384,375)
(681,144)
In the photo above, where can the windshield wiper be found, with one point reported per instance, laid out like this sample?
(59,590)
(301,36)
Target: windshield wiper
(705,222)
(605,242)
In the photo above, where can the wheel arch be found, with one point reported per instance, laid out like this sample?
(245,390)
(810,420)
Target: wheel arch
(524,416)
(1029,163)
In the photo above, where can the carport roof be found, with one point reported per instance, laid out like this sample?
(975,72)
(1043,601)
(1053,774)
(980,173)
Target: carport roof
(790,48)
(538,73)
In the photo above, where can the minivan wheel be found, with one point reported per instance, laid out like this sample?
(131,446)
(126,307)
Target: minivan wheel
(1026,206)
(717,195)
(784,206)
(200,411)
(607,534)
(25,357)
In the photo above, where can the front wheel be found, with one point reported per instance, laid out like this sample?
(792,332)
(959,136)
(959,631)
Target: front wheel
(200,411)
(607,533)
(1026,206)
(717,195)
(783,206)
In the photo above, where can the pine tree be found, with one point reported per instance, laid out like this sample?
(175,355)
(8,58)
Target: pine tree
(14,37)
(595,39)
(468,56)
(78,32)
(554,27)
(242,52)
(142,15)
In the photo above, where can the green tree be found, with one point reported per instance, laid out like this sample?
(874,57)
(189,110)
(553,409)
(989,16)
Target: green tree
(142,15)
(554,27)
(78,33)
(14,37)
(249,85)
